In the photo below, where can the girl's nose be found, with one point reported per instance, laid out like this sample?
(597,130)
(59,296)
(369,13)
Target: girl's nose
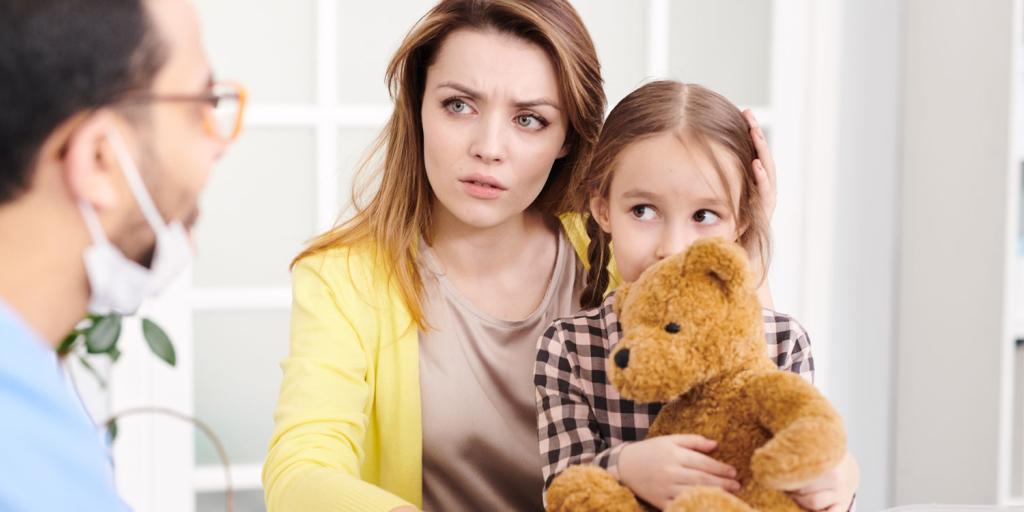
(674,241)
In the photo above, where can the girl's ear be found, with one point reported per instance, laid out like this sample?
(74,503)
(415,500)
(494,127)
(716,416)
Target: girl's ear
(741,229)
(599,211)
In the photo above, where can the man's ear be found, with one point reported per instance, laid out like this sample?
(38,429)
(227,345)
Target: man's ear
(90,168)
(599,211)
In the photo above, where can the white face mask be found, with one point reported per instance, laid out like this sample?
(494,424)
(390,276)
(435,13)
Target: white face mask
(118,283)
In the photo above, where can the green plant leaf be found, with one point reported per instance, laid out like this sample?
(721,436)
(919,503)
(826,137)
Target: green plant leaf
(68,343)
(103,334)
(158,341)
(111,431)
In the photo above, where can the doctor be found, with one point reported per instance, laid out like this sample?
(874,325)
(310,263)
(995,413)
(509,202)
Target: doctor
(110,123)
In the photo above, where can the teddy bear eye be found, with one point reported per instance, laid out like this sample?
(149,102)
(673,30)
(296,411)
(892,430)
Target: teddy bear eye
(672,327)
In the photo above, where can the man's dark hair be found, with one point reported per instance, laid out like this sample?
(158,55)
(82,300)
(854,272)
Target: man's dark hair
(62,57)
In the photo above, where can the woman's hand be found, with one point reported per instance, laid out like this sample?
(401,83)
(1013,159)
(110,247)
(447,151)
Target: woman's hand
(833,491)
(764,175)
(764,167)
(657,468)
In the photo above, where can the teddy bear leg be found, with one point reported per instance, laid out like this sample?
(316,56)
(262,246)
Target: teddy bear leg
(587,488)
(700,498)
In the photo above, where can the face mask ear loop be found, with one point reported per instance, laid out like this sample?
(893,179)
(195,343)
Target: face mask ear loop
(92,222)
(131,173)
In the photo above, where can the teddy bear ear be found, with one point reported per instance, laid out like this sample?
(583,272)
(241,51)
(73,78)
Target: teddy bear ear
(721,259)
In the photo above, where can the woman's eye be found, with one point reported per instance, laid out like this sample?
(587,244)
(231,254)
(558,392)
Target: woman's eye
(643,212)
(529,121)
(706,217)
(457,106)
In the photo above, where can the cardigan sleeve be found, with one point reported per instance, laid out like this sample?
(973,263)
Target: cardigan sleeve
(321,418)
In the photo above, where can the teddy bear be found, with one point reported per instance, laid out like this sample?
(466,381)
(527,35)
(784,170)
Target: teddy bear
(693,336)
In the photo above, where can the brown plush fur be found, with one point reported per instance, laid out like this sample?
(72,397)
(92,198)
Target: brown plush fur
(772,426)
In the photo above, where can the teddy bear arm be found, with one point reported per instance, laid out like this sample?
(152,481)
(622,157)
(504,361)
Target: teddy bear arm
(807,433)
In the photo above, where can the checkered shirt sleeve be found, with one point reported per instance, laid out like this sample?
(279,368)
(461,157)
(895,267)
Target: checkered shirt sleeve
(582,419)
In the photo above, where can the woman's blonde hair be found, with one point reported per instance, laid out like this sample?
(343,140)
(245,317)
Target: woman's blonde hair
(398,214)
(699,117)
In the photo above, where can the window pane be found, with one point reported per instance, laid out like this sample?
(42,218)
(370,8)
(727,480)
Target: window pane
(257,210)
(272,51)
(368,35)
(237,378)
(353,146)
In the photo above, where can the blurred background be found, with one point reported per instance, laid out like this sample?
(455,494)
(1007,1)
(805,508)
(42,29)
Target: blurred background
(896,127)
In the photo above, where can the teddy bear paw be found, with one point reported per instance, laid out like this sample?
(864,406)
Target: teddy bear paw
(701,498)
(589,488)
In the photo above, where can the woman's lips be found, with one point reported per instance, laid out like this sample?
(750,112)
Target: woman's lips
(482,187)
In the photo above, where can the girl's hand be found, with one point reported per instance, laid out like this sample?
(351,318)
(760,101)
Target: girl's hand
(764,166)
(833,491)
(658,468)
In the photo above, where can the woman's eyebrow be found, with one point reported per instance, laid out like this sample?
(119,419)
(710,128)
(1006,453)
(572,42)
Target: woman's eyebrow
(472,93)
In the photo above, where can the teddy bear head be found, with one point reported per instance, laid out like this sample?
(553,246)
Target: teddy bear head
(687,319)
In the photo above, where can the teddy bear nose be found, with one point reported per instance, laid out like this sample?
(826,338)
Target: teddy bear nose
(622,358)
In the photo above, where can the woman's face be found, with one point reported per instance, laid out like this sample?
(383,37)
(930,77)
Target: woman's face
(493,125)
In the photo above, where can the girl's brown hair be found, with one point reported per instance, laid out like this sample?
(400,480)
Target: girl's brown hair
(699,117)
(398,214)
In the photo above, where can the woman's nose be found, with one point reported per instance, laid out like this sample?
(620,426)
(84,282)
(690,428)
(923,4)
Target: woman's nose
(489,144)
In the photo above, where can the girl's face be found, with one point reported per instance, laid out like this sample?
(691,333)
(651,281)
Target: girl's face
(493,126)
(662,198)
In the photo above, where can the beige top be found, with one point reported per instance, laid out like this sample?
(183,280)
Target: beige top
(480,447)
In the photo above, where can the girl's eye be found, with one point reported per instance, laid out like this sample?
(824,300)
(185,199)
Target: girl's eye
(530,121)
(706,217)
(457,106)
(643,212)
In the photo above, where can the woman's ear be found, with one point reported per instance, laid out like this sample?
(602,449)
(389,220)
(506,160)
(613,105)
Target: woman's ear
(599,211)
(90,168)
(566,148)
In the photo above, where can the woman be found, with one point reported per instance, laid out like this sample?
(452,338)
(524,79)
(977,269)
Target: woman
(414,325)
(436,292)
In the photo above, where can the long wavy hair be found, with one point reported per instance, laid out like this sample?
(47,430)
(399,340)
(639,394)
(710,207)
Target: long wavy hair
(392,221)
(700,118)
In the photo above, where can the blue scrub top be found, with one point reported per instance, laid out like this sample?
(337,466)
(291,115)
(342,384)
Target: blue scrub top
(52,457)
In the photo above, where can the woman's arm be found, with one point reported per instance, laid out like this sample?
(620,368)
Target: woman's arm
(320,420)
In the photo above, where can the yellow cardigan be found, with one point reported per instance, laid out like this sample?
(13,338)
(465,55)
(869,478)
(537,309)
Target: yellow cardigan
(348,433)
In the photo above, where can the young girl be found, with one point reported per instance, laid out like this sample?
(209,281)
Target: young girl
(673,164)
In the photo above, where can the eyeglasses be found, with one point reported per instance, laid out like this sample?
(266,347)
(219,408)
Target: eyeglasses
(227,100)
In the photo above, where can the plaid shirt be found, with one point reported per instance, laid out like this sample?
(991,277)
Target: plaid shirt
(582,418)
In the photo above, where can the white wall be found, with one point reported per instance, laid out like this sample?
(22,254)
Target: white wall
(864,254)
(953,338)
